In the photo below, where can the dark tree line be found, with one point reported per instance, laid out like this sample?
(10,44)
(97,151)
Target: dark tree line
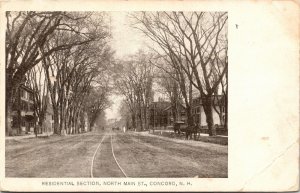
(63,56)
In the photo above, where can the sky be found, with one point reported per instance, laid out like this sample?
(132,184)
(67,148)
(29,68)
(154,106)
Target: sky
(125,41)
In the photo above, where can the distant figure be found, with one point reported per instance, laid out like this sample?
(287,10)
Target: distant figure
(36,129)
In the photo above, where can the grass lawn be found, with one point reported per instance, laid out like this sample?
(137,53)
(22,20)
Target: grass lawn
(221,140)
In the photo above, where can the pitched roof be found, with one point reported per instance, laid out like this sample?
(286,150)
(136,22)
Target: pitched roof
(23,86)
(216,99)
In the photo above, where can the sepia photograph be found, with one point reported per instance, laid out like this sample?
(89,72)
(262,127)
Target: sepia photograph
(149,96)
(116,94)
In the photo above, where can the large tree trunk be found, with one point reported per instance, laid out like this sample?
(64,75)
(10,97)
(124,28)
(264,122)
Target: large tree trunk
(73,122)
(69,122)
(19,117)
(190,120)
(11,96)
(55,119)
(62,117)
(140,121)
(76,126)
(189,114)
(174,104)
(221,117)
(146,118)
(19,105)
(41,121)
(8,120)
(226,113)
(9,109)
(174,113)
(208,110)
(133,123)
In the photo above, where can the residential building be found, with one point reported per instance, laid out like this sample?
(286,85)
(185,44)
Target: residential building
(197,112)
(218,111)
(181,115)
(23,116)
(157,115)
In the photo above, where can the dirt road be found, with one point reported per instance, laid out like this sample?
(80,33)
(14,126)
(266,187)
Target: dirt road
(113,154)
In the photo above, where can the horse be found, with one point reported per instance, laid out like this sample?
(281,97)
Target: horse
(190,130)
(177,128)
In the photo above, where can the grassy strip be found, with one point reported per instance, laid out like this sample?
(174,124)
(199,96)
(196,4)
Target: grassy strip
(208,139)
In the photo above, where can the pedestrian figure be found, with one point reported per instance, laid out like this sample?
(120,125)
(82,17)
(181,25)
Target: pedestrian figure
(36,130)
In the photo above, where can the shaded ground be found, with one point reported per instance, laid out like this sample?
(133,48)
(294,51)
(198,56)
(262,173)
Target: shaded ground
(222,140)
(55,156)
(145,156)
(140,155)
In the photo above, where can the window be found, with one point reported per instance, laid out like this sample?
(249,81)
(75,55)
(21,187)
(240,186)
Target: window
(30,96)
(31,107)
(15,122)
(31,124)
(23,107)
(24,94)
(23,123)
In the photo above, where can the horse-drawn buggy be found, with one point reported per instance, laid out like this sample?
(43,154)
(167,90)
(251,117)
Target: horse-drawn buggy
(181,127)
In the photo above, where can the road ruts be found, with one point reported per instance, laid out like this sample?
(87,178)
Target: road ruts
(68,156)
(105,162)
(146,156)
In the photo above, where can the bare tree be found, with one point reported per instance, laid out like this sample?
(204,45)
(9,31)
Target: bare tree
(173,68)
(125,113)
(96,104)
(170,88)
(38,83)
(134,82)
(192,40)
(29,40)
(70,73)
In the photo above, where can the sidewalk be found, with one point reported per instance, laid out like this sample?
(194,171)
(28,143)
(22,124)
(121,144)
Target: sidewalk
(26,136)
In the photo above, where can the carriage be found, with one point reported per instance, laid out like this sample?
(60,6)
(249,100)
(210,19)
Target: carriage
(181,127)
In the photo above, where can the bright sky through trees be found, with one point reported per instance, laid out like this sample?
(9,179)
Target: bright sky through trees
(125,41)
